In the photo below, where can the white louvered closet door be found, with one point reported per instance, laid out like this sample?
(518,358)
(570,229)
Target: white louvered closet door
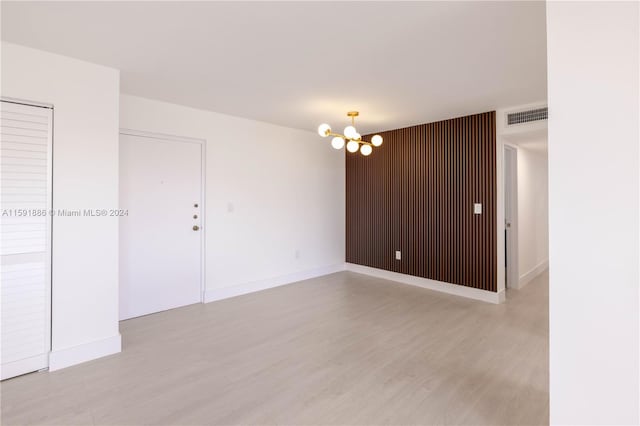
(25,230)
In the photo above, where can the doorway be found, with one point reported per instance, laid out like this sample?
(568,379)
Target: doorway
(161,223)
(511,216)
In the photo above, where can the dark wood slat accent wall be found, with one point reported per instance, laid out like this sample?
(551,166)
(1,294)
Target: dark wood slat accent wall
(416,193)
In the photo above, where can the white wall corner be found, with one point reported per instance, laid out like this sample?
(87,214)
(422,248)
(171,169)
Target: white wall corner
(211,295)
(500,252)
(530,275)
(86,352)
(449,288)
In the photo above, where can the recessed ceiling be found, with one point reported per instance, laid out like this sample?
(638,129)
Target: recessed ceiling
(301,63)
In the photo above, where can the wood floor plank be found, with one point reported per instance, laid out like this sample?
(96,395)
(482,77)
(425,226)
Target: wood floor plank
(340,349)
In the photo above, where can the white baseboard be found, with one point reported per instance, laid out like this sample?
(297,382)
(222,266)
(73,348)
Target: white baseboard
(211,295)
(23,366)
(86,352)
(455,289)
(528,276)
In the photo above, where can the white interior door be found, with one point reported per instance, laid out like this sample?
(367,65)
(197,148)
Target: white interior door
(511,216)
(25,228)
(161,237)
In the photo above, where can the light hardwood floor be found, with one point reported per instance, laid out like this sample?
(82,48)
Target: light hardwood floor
(340,349)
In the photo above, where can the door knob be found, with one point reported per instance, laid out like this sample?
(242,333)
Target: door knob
(196,227)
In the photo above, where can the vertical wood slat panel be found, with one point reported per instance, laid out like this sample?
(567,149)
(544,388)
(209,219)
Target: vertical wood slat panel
(416,192)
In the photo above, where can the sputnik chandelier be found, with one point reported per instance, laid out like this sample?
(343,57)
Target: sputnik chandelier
(351,137)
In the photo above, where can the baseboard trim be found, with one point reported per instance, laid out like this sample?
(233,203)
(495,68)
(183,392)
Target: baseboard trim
(23,366)
(67,357)
(454,289)
(211,295)
(528,276)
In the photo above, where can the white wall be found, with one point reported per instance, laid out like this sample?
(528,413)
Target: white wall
(593,211)
(85,176)
(285,186)
(533,223)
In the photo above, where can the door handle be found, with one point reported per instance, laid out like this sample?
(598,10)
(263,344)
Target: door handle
(196,227)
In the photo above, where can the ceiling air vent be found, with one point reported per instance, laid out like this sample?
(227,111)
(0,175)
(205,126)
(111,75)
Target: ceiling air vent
(527,116)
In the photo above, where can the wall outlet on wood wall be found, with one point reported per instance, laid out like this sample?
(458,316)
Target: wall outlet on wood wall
(398,255)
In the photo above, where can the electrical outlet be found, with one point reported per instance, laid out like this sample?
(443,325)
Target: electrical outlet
(477,208)
(398,255)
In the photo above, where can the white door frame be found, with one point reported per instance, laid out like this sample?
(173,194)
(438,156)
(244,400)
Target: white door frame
(203,215)
(510,182)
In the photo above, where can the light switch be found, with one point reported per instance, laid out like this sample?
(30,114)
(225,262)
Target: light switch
(477,208)
(398,255)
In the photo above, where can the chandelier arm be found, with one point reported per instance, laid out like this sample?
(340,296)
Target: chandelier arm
(363,142)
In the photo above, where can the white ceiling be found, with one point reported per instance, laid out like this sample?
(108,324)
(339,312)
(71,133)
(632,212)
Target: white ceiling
(302,63)
(534,140)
